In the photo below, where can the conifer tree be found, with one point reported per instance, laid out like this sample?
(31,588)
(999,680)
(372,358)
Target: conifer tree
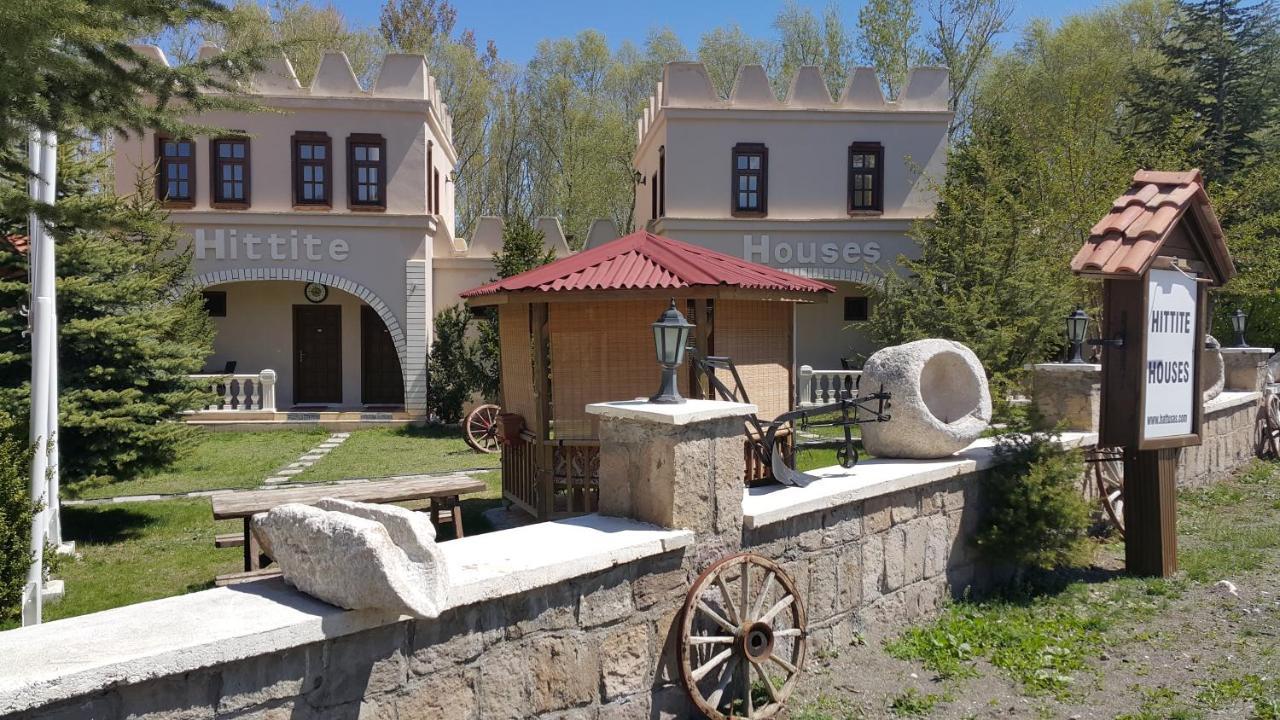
(521,248)
(1214,83)
(131,327)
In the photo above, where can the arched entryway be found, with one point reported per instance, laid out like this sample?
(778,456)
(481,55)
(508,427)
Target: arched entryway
(339,347)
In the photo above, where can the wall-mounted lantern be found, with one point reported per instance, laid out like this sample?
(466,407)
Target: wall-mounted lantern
(638,177)
(670,333)
(1240,323)
(1077,326)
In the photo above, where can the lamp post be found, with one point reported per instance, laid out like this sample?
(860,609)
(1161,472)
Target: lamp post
(1239,322)
(1077,326)
(670,333)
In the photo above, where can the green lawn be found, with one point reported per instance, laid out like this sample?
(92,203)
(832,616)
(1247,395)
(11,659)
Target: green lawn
(408,450)
(220,460)
(133,552)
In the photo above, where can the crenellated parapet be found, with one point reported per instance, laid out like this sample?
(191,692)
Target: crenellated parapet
(687,85)
(486,239)
(403,76)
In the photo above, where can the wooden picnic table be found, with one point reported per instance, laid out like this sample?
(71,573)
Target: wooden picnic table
(443,492)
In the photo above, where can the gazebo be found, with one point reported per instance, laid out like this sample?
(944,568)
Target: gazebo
(577,331)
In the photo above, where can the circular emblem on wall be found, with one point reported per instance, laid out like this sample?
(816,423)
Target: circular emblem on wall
(315,292)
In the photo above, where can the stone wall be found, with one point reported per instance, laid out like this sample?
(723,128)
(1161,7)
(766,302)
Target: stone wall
(1228,442)
(886,559)
(602,645)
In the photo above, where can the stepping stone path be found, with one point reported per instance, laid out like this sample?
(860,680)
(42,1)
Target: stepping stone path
(309,458)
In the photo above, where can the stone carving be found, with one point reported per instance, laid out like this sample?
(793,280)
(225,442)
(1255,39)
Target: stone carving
(357,555)
(1213,373)
(940,399)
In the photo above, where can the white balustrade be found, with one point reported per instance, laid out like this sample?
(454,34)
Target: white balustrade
(247,392)
(819,387)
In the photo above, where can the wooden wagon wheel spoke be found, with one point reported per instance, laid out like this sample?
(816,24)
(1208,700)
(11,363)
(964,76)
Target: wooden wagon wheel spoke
(769,581)
(712,664)
(725,662)
(777,608)
(768,682)
(706,609)
(711,640)
(728,601)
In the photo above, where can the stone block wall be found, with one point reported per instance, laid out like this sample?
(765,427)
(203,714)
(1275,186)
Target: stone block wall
(886,559)
(601,646)
(1229,437)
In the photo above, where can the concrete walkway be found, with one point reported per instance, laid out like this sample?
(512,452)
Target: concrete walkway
(306,460)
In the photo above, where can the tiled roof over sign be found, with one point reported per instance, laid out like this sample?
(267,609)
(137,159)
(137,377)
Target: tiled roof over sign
(643,260)
(1130,236)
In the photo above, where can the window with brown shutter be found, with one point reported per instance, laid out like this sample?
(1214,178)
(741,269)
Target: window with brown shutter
(366,172)
(866,177)
(229,177)
(312,170)
(175,172)
(750,180)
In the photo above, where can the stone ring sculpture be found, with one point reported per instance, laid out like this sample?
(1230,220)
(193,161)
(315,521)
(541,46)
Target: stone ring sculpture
(941,401)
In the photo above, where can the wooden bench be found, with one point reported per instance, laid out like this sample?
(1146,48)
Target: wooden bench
(443,492)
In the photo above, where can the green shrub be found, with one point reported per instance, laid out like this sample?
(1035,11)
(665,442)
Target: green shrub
(1036,515)
(449,366)
(15,521)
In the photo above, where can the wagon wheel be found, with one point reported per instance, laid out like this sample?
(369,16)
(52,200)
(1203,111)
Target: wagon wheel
(1108,474)
(742,638)
(481,428)
(1268,440)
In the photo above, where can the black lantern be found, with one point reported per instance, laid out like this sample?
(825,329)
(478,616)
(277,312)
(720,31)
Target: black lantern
(638,177)
(1239,322)
(1077,327)
(670,334)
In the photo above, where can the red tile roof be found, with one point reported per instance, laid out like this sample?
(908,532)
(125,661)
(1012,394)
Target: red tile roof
(1130,236)
(19,243)
(643,260)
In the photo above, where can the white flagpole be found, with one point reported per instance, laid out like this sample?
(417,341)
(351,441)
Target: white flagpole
(49,178)
(40,324)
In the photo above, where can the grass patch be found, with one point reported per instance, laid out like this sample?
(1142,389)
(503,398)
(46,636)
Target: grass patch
(1260,694)
(219,460)
(408,450)
(1043,642)
(1161,704)
(913,703)
(134,552)
(1226,529)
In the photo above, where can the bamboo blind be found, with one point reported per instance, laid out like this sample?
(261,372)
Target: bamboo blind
(601,352)
(756,335)
(517,361)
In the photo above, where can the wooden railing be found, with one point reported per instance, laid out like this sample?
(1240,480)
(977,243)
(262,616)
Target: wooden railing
(819,387)
(242,392)
(551,478)
(558,478)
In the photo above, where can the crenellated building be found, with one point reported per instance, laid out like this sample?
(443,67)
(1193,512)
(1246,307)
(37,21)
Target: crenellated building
(821,187)
(322,230)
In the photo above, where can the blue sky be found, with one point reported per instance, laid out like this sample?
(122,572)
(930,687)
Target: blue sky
(518,25)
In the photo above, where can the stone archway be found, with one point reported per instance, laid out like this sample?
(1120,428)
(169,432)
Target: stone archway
(222,277)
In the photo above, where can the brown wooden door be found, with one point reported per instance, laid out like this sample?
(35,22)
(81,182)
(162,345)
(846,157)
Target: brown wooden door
(380,380)
(317,354)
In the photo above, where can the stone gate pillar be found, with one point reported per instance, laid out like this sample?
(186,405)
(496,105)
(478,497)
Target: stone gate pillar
(676,466)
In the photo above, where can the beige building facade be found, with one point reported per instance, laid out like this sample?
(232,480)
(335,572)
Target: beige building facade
(322,229)
(820,187)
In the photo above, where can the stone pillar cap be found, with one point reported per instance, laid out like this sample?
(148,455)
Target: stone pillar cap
(690,411)
(1067,367)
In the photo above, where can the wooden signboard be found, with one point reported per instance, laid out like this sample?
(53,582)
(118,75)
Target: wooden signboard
(1157,253)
